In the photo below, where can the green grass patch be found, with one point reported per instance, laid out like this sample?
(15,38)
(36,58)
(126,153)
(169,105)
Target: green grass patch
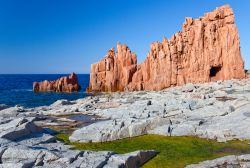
(175,152)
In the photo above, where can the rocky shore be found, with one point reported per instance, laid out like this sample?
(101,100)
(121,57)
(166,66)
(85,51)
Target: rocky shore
(217,110)
(24,144)
(227,161)
(192,110)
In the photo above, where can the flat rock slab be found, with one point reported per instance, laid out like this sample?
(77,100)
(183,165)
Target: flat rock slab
(190,110)
(34,157)
(133,159)
(24,144)
(242,161)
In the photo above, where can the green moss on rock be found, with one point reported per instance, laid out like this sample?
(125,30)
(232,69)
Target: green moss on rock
(175,152)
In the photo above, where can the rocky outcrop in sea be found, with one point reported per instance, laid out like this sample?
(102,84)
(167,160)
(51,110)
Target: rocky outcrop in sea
(63,84)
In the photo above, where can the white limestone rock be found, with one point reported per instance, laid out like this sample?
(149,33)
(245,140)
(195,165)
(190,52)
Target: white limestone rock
(242,161)
(116,129)
(131,160)
(18,128)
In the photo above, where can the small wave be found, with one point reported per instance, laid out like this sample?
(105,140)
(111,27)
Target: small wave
(21,90)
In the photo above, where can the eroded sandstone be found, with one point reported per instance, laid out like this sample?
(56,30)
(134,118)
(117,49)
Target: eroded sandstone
(207,49)
(63,84)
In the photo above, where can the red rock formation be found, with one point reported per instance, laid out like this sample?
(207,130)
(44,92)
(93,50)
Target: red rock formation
(114,72)
(63,84)
(207,49)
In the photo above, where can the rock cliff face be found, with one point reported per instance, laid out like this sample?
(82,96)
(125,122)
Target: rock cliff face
(207,49)
(63,84)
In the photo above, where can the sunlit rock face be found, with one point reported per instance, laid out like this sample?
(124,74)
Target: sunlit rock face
(207,49)
(63,84)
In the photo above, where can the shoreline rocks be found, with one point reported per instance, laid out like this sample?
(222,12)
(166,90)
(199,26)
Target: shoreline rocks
(64,84)
(189,110)
(217,110)
(207,49)
(24,144)
(226,161)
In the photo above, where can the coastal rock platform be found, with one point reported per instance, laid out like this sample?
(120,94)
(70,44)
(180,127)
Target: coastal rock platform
(216,110)
(242,161)
(24,144)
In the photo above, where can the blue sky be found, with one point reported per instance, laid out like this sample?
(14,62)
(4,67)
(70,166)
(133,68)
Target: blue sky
(61,36)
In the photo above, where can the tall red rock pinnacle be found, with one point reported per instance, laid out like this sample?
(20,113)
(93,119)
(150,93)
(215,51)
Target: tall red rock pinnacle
(63,84)
(114,72)
(207,49)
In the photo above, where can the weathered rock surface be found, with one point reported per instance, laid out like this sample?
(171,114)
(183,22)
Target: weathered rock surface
(115,71)
(18,128)
(117,129)
(64,84)
(192,109)
(242,161)
(36,156)
(207,49)
(133,159)
(23,144)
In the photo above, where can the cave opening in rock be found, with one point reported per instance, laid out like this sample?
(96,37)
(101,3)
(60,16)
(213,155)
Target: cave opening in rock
(214,71)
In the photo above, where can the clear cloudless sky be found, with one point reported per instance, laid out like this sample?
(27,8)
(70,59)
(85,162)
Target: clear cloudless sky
(62,36)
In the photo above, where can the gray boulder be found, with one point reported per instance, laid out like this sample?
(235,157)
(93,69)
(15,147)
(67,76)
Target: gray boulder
(19,128)
(242,161)
(130,160)
(116,129)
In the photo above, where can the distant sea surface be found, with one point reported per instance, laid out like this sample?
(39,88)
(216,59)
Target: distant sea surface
(17,90)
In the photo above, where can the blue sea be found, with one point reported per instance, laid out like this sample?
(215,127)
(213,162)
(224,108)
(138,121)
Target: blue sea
(17,90)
